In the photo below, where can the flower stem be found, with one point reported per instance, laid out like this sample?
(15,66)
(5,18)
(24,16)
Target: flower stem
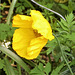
(63,55)
(29,4)
(15,57)
(11,11)
(49,9)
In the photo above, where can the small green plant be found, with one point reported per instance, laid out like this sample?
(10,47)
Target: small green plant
(58,55)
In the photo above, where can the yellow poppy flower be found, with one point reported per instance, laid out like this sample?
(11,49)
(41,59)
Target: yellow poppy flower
(32,34)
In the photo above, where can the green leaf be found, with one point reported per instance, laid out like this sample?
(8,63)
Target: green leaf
(8,68)
(1,16)
(63,24)
(73,23)
(4,4)
(73,47)
(6,31)
(69,18)
(15,58)
(38,70)
(71,37)
(67,25)
(57,70)
(1,63)
(19,10)
(25,4)
(64,7)
(18,4)
(72,63)
(3,36)
(56,53)
(40,66)
(63,47)
(4,27)
(51,45)
(49,5)
(19,69)
(71,6)
(47,68)
(16,71)
(73,28)
(49,50)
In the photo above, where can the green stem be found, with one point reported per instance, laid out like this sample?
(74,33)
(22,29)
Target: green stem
(68,54)
(11,11)
(15,58)
(43,52)
(29,4)
(64,56)
(29,62)
(41,61)
(49,58)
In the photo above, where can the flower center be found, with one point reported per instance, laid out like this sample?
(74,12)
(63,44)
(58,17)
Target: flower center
(36,33)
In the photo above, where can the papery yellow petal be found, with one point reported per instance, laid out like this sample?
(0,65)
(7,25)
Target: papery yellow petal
(32,35)
(21,40)
(22,21)
(36,46)
(41,25)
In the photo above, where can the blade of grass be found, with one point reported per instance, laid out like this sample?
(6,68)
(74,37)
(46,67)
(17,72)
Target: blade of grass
(15,58)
